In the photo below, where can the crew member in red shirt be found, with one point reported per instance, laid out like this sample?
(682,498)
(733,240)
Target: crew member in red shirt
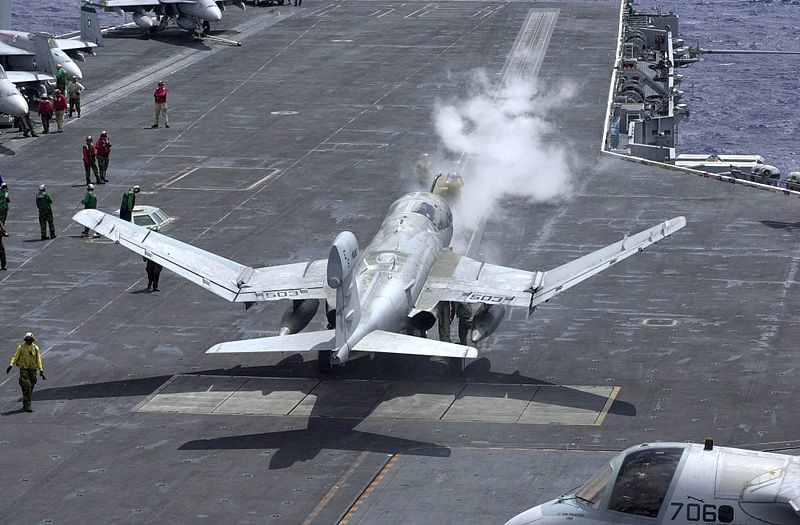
(60,106)
(103,149)
(90,161)
(160,96)
(46,112)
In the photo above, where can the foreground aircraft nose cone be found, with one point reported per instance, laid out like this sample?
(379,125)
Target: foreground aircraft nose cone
(17,106)
(72,70)
(214,14)
(530,516)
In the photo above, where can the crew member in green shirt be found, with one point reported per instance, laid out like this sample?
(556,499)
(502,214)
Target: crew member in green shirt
(45,204)
(89,203)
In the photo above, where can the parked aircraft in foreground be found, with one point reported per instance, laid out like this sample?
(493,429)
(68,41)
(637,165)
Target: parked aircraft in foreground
(25,51)
(395,284)
(11,100)
(190,15)
(681,483)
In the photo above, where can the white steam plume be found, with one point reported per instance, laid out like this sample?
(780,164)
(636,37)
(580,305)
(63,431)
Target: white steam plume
(506,147)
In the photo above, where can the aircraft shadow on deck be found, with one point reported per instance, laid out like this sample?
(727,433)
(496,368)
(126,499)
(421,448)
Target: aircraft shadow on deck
(331,432)
(172,36)
(779,225)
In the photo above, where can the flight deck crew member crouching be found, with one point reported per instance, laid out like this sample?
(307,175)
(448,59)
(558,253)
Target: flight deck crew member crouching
(29,360)
(128,202)
(160,96)
(45,204)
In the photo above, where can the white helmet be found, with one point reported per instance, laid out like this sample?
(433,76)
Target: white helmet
(42,187)
(90,187)
(29,335)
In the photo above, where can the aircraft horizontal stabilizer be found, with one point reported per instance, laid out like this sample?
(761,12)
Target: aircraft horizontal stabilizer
(302,342)
(392,343)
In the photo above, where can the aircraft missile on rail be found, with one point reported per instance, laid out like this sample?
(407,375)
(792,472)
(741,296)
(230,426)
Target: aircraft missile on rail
(681,483)
(395,284)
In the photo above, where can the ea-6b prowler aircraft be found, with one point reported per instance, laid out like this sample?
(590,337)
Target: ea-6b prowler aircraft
(394,285)
(681,483)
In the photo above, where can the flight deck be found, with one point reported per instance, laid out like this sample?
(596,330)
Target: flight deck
(312,127)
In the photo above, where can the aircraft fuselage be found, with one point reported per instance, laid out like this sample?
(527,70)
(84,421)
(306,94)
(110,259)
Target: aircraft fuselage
(393,268)
(23,40)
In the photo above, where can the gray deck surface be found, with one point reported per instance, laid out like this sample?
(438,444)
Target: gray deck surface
(312,127)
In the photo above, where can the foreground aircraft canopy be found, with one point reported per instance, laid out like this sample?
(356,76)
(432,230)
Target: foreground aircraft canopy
(188,14)
(393,285)
(681,483)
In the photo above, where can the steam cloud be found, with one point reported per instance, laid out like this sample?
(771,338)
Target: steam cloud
(505,147)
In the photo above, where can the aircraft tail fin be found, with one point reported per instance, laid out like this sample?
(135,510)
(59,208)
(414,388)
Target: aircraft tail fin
(5,14)
(302,342)
(341,263)
(90,25)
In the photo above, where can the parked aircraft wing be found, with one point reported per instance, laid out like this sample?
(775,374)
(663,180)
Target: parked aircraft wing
(226,278)
(19,77)
(393,343)
(68,44)
(6,50)
(302,342)
(458,278)
(124,3)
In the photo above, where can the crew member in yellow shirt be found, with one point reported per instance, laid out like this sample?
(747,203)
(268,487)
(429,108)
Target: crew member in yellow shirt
(29,360)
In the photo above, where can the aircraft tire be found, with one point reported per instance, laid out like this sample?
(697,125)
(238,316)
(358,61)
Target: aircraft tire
(324,362)
(456,366)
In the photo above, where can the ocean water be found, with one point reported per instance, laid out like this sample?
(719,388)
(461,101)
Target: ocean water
(739,104)
(54,16)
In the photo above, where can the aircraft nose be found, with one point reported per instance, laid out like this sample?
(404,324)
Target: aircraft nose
(72,70)
(18,106)
(214,13)
(530,516)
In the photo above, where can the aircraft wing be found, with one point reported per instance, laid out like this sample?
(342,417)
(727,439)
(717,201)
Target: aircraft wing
(228,279)
(6,50)
(133,4)
(68,44)
(458,278)
(20,77)
(125,3)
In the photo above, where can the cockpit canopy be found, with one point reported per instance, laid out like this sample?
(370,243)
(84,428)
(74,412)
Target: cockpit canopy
(641,482)
(430,206)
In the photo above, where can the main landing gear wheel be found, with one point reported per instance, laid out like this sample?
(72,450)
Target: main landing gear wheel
(324,361)
(456,366)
